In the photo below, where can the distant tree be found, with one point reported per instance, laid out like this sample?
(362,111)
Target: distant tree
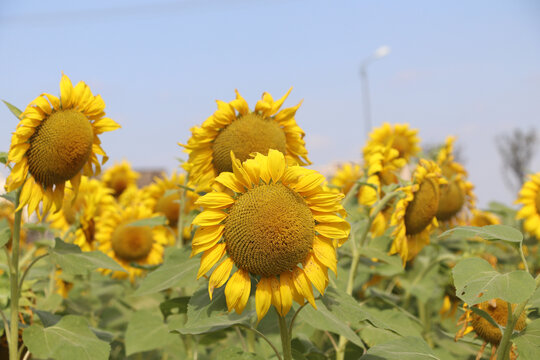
(517,150)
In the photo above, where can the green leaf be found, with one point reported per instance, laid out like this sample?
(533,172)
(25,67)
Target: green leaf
(153,221)
(178,269)
(205,315)
(234,353)
(5,232)
(336,312)
(488,232)
(74,261)
(3,157)
(476,281)
(69,339)
(179,303)
(528,341)
(373,336)
(14,110)
(409,348)
(146,331)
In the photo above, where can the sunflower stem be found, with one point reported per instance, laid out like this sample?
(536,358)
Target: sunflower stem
(29,267)
(255,331)
(13,340)
(285,338)
(523,256)
(180,222)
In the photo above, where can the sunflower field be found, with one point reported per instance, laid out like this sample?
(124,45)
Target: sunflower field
(245,252)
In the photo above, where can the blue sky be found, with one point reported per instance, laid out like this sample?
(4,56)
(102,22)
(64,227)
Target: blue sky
(463,68)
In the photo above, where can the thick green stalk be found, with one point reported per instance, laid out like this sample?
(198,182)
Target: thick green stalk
(285,338)
(14,283)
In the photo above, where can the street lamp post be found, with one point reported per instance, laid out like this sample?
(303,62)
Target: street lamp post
(378,54)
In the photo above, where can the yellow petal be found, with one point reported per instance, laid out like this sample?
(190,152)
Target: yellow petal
(205,238)
(276,164)
(228,180)
(316,272)
(263,297)
(240,104)
(210,257)
(105,124)
(217,200)
(209,218)
(66,89)
(239,172)
(325,252)
(237,291)
(37,195)
(337,230)
(277,104)
(220,275)
(55,102)
(308,182)
(16,153)
(303,286)
(285,291)
(276,294)
(26,193)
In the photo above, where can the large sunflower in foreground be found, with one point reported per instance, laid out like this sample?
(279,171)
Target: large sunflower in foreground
(233,127)
(275,223)
(93,199)
(56,142)
(398,136)
(127,243)
(529,197)
(457,198)
(414,214)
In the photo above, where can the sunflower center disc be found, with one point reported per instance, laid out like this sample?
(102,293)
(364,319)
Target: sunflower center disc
(132,243)
(451,201)
(248,134)
(269,230)
(422,208)
(499,313)
(538,201)
(119,182)
(169,205)
(60,147)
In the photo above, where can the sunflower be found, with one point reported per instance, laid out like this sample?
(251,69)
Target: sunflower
(233,127)
(127,244)
(346,176)
(92,200)
(529,197)
(398,136)
(163,196)
(63,286)
(483,218)
(120,178)
(267,218)
(56,142)
(457,198)
(490,334)
(414,214)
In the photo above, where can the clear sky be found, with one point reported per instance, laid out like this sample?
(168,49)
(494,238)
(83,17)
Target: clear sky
(464,68)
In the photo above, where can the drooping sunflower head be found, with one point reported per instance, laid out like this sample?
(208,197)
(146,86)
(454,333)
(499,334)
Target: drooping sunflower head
(80,212)
(128,243)
(498,310)
(275,223)
(398,136)
(529,197)
(457,198)
(163,196)
(56,142)
(120,178)
(414,214)
(233,127)
(346,176)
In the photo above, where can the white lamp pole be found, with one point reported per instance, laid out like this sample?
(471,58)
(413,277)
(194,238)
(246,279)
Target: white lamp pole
(378,54)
